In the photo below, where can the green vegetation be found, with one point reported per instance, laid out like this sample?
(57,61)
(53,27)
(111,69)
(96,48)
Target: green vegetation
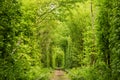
(81,37)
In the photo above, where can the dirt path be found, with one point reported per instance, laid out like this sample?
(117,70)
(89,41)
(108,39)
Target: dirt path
(59,75)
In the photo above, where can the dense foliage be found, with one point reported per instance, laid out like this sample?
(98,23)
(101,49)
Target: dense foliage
(80,36)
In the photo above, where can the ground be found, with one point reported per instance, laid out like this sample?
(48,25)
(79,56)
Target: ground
(59,75)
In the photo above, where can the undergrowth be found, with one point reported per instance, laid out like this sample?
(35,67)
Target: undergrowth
(99,72)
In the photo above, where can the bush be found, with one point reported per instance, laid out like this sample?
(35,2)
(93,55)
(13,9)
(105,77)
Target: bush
(99,72)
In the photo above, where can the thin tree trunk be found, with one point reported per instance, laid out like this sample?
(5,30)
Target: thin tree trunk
(93,39)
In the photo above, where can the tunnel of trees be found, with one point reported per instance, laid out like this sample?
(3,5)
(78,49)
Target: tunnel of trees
(82,37)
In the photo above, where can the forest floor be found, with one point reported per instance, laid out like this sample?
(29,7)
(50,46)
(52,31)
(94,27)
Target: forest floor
(59,75)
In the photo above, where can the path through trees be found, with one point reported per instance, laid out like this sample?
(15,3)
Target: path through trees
(59,75)
(79,36)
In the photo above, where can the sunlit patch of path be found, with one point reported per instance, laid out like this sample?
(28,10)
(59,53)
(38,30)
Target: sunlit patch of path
(59,75)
